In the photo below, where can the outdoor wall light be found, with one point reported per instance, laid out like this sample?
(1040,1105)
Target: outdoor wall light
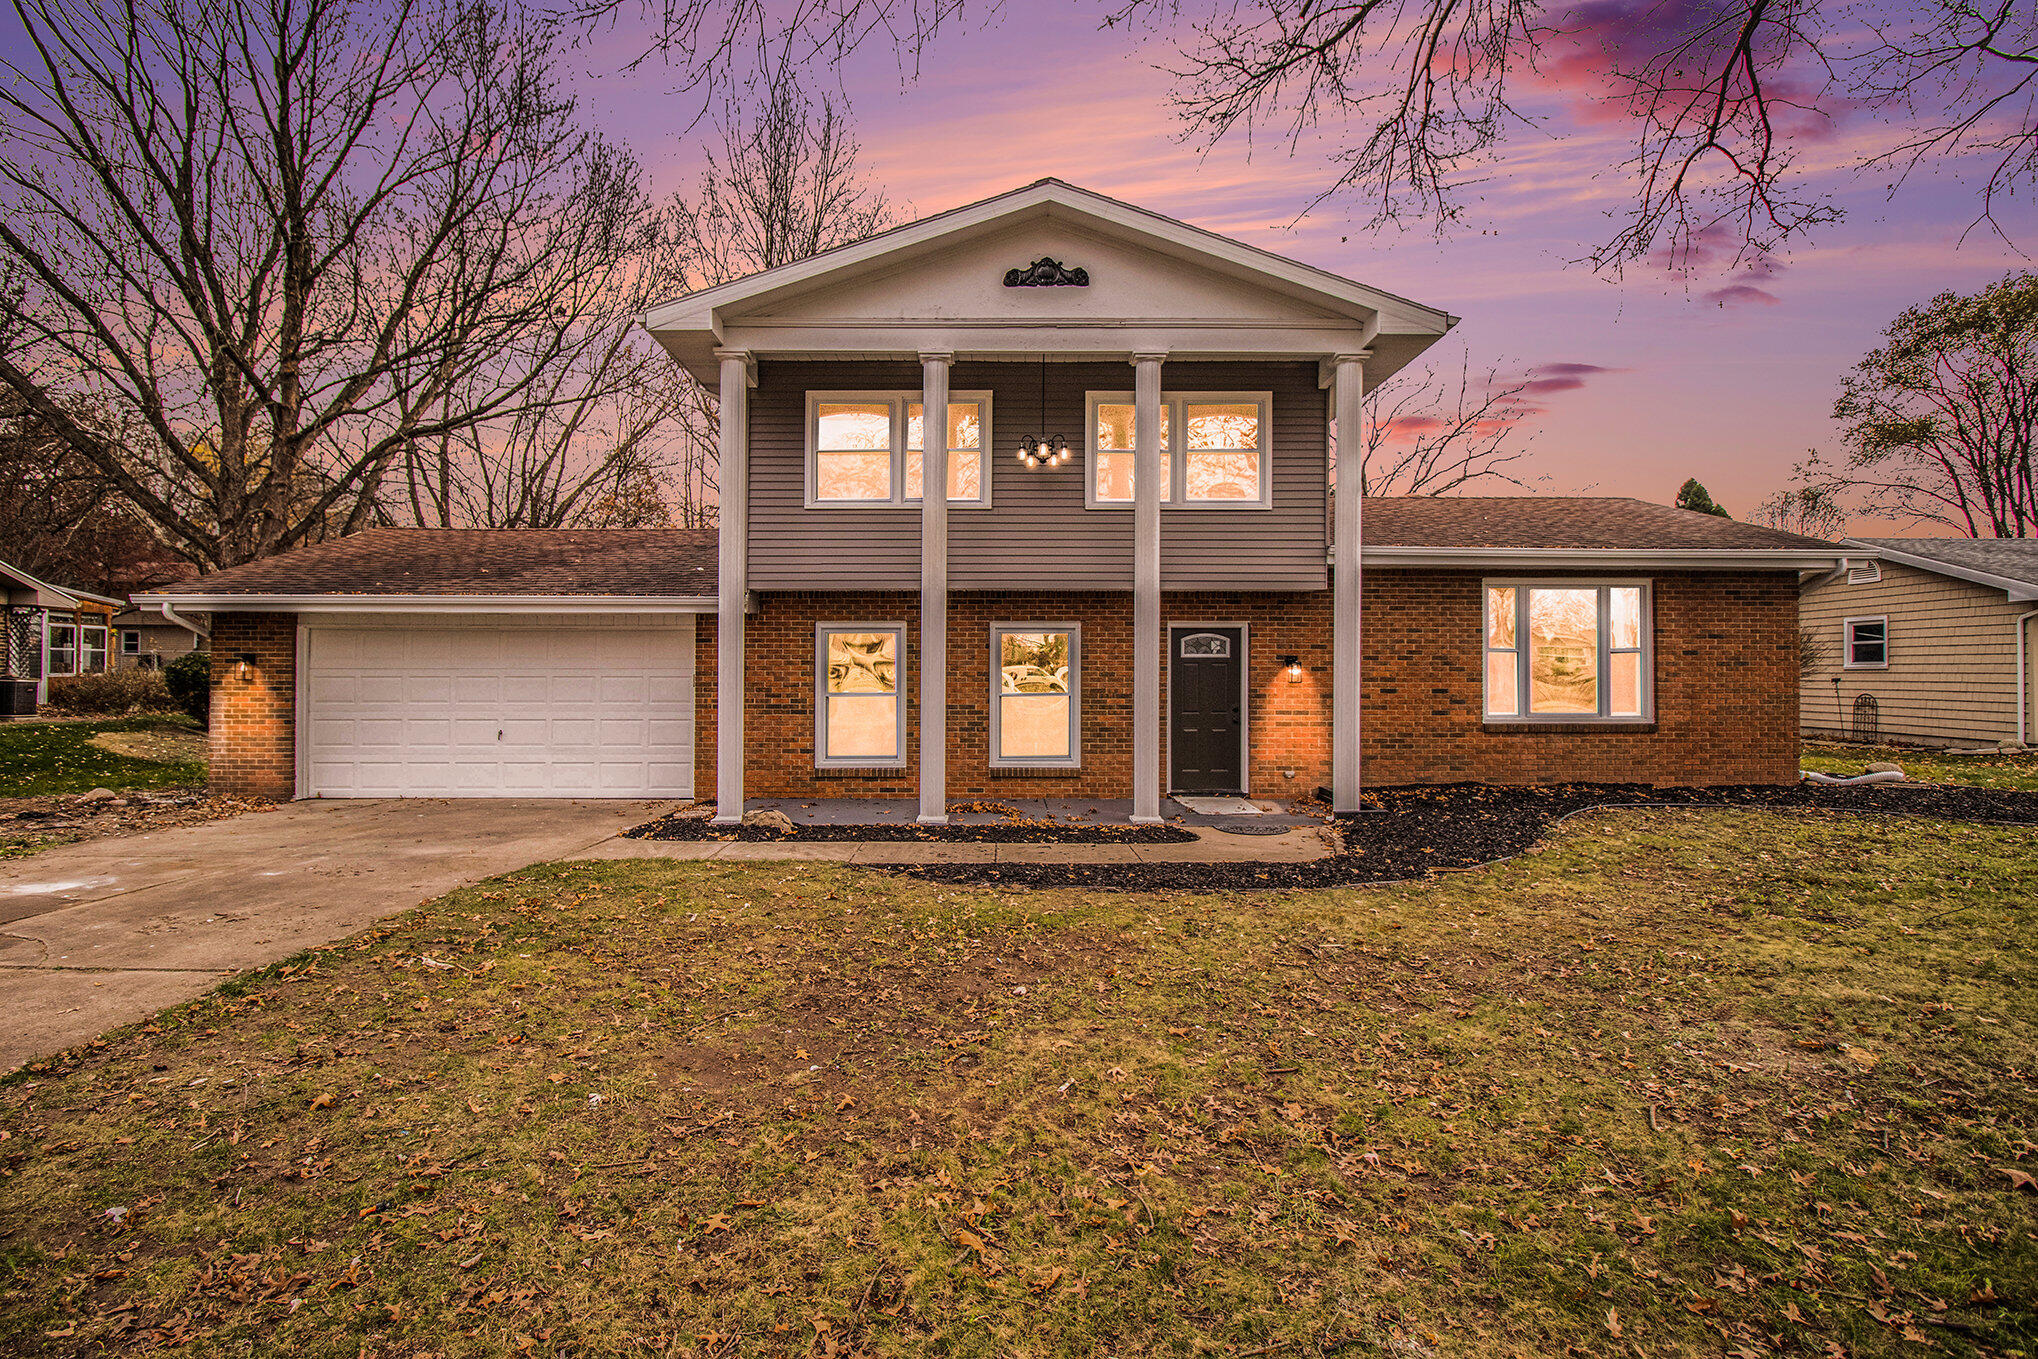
(1294,668)
(243,664)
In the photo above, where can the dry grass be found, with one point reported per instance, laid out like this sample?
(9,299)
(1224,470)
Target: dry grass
(1683,1083)
(1929,766)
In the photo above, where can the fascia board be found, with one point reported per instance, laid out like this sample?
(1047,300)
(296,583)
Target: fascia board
(516,604)
(1667,559)
(2019,591)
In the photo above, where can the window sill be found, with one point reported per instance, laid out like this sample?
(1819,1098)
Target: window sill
(858,771)
(908,505)
(1240,506)
(1034,771)
(1510,726)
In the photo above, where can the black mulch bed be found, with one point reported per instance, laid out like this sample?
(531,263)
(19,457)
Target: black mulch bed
(1011,831)
(1458,826)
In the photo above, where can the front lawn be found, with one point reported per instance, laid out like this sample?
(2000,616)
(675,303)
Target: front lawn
(1930,766)
(49,759)
(1684,1082)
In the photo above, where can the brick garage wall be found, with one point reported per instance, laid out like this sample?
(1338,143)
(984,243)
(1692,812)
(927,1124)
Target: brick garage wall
(1289,723)
(253,727)
(1725,680)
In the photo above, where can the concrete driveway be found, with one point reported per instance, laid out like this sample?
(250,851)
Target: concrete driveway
(107,932)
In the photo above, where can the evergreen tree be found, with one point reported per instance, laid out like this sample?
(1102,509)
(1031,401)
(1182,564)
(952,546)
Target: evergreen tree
(1693,496)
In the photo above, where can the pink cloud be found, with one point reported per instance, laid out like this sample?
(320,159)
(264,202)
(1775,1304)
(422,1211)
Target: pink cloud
(1548,378)
(1735,294)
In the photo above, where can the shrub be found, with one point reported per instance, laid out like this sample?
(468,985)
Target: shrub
(190,680)
(112,694)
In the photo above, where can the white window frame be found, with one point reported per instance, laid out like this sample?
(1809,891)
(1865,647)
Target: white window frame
(1074,759)
(85,630)
(1847,661)
(1521,716)
(1174,494)
(821,759)
(49,625)
(130,641)
(898,399)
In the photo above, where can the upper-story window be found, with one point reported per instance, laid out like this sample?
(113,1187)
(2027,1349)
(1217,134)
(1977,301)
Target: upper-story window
(1224,462)
(868,449)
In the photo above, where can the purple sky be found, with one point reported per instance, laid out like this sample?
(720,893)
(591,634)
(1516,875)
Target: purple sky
(1726,375)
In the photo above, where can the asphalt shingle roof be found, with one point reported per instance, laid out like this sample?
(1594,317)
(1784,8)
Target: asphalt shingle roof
(1587,522)
(2011,558)
(429,561)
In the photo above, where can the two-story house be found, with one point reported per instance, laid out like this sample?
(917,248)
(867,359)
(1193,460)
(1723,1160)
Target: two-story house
(1144,575)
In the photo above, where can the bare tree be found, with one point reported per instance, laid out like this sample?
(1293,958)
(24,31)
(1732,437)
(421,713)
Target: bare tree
(1436,437)
(1941,422)
(1810,510)
(287,241)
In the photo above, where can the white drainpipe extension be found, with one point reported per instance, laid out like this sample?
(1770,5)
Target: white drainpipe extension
(2023,679)
(173,616)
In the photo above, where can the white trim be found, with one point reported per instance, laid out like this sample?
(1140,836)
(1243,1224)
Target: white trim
(300,742)
(1610,558)
(1175,494)
(49,671)
(1605,651)
(1245,700)
(1847,661)
(75,597)
(421,603)
(130,635)
(2019,591)
(820,691)
(899,399)
(1074,760)
(105,651)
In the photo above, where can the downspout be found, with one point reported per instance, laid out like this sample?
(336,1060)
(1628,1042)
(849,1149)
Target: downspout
(2023,678)
(1846,565)
(173,616)
(1839,714)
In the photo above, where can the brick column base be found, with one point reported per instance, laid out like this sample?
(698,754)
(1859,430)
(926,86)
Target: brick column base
(253,728)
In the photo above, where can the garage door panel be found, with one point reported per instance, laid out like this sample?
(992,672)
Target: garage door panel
(515,710)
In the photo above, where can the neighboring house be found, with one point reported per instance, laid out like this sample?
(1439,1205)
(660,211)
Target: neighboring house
(1934,642)
(1141,579)
(50,631)
(144,638)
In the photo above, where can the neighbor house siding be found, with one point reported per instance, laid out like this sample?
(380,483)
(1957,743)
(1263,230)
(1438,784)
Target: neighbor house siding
(1037,531)
(1952,674)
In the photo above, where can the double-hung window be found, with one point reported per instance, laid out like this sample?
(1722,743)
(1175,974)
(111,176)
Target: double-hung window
(859,700)
(95,649)
(63,648)
(1036,694)
(1866,643)
(1223,461)
(1568,651)
(868,449)
(130,642)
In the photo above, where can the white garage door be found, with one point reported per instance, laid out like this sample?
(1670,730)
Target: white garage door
(543,708)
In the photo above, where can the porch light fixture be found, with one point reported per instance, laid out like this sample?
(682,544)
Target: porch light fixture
(244,663)
(1293,666)
(1043,450)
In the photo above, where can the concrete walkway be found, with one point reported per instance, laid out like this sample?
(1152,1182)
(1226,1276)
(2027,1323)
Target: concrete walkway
(106,932)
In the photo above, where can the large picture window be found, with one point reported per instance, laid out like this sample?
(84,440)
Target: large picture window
(868,449)
(1036,694)
(1567,651)
(859,704)
(1221,462)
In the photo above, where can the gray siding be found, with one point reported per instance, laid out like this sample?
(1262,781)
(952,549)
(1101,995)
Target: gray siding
(1037,535)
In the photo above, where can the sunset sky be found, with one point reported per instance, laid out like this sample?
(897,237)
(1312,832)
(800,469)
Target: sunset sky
(1727,375)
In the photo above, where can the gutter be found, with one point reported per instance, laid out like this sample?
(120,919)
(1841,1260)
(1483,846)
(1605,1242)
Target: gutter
(510,604)
(1724,559)
(173,616)
(1846,565)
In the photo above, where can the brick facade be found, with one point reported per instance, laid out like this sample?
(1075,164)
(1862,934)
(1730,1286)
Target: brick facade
(1725,647)
(1725,680)
(253,727)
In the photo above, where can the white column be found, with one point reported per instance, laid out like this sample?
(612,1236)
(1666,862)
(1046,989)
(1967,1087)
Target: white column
(734,586)
(934,588)
(1345,614)
(1149,478)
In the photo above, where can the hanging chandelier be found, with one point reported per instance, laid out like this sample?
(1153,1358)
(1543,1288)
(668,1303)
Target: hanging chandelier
(1043,450)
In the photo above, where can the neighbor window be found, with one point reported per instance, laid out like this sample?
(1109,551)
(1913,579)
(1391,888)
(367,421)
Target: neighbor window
(1567,651)
(1036,694)
(1222,461)
(130,642)
(1867,643)
(95,649)
(63,648)
(859,711)
(868,448)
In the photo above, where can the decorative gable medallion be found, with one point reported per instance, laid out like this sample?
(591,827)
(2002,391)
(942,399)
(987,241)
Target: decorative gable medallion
(1047,273)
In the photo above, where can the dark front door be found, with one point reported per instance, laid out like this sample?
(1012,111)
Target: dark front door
(1206,709)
